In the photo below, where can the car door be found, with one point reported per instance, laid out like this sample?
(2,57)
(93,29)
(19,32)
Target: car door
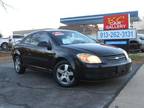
(40,55)
(25,49)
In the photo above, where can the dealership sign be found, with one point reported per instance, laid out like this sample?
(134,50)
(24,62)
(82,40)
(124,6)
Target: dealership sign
(116,34)
(116,22)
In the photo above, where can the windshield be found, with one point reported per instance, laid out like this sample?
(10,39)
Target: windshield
(71,37)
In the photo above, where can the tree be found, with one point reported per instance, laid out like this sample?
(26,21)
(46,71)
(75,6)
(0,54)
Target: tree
(0,35)
(4,4)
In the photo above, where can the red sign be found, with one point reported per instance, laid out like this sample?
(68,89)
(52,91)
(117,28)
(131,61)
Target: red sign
(116,22)
(57,33)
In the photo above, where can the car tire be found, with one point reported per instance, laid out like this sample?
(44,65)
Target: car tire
(18,66)
(65,75)
(4,46)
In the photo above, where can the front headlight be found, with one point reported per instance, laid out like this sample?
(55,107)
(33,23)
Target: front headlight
(88,58)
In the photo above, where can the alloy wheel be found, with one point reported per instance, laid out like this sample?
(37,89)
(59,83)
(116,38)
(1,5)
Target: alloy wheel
(17,64)
(65,74)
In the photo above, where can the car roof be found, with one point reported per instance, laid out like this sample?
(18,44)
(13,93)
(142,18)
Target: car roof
(57,30)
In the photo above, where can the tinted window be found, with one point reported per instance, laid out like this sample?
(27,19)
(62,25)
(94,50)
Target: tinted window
(35,39)
(39,37)
(27,40)
(44,37)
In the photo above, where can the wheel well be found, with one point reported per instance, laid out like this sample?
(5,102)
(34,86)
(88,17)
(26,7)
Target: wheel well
(60,59)
(65,59)
(4,43)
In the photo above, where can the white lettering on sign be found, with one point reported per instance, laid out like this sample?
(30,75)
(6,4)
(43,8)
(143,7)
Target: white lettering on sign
(117,34)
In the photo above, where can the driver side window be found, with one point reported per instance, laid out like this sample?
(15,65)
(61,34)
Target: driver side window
(27,40)
(35,38)
(39,37)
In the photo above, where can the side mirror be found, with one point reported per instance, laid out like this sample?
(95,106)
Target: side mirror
(45,44)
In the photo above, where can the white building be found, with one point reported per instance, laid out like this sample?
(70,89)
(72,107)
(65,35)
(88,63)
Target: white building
(139,26)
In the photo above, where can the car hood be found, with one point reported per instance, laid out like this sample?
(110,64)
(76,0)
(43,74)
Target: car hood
(99,50)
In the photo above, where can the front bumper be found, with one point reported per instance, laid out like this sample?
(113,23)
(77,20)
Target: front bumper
(102,71)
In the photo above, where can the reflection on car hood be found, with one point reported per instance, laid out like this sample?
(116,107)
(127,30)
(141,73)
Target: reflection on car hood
(99,50)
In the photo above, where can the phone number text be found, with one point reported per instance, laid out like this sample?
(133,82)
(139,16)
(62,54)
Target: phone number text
(117,34)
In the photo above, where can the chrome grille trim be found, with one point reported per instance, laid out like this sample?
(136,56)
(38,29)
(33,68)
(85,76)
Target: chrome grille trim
(114,58)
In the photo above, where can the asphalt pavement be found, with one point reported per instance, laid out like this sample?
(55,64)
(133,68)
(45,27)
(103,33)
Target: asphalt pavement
(4,51)
(37,89)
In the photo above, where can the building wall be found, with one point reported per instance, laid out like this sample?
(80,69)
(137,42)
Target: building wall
(85,29)
(24,32)
(139,25)
(140,31)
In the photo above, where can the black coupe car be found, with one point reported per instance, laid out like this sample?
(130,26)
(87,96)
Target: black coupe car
(70,55)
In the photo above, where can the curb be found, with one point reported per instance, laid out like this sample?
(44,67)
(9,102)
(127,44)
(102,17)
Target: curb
(117,93)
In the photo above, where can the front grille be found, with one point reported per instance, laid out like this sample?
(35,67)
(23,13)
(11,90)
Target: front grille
(114,59)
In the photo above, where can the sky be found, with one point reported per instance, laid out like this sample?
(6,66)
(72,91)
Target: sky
(36,14)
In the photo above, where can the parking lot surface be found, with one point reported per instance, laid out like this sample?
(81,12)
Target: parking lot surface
(37,89)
